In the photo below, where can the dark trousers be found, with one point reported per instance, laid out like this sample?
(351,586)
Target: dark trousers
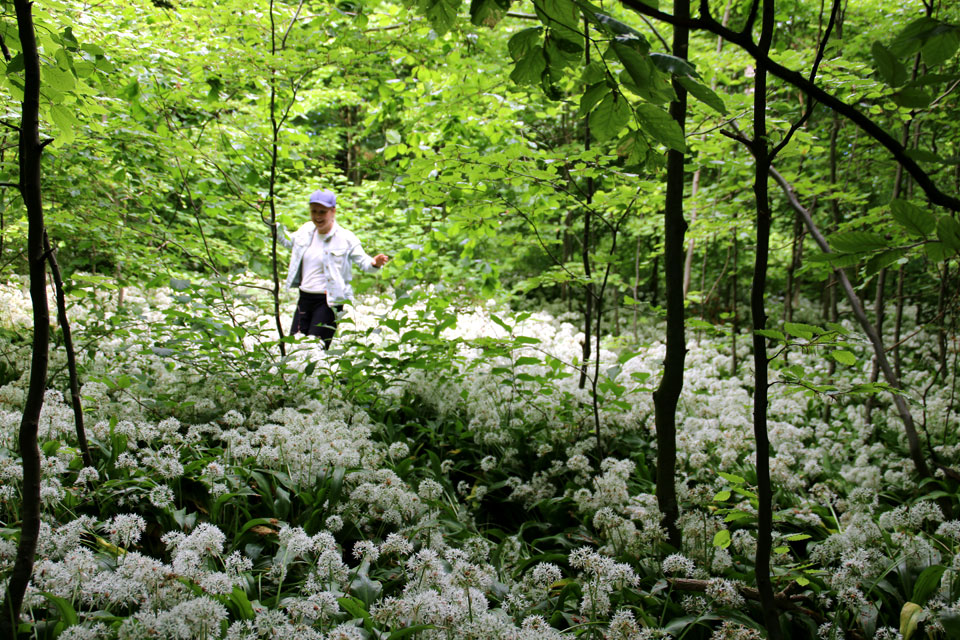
(315,317)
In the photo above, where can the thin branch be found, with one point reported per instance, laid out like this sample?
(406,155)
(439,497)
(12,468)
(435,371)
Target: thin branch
(813,76)
(871,128)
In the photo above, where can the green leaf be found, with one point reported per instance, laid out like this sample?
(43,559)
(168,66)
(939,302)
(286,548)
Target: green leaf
(797,537)
(729,477)
(948,231)
(912,98)
(704,94)
(800,330)
(927,583)
(610,116)
(940,47)
(910,616)
(883,260)
(442,14)
(937,251)
(915,220)
(910,40)
(773,334)
(673,65)
(409,631)
(65,121)
(659,125)
(522,42)
(857,241)
(243,604)
(722,496)
(67,613)
(488,12)
(562,17)
(624,33)
(594,94)
(844,357)
(530,68)
(722,539)
(893,72)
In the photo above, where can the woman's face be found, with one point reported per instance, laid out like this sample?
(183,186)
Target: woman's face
(322,216)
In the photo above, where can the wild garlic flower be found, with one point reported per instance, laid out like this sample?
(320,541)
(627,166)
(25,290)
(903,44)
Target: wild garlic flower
(677,564)
(725,593)
(125,530)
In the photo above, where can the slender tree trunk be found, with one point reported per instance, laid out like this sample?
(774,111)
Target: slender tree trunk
(898,323)
(759,314)
(636,291)
(30,153)
(71,354)
(588,302)
(274,151)
(734,311)
(795,252)
(909,426)
(880,316)
(667,395)
(691,244)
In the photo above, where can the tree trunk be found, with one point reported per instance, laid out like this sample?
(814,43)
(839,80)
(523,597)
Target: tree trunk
(909,427)
(71,354)
(274,150)
(588,311)
(759,314)
(30,152)
(735,319)
(878,310)
(667,395)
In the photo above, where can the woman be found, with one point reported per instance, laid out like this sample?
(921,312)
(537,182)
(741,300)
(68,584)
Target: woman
(321,260)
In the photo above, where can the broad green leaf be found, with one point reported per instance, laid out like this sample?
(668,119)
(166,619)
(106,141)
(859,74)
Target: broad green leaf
(67,613)
(893,72)
(522,42)
(722,496)
(609,117)
(637,64)
(772,334)
(883,260)
(635,148)
(731,477)
(488,12)
(673,65)
(910,616)
(658,124)
(530,68)
(940,47)
(915,220)
(948,231)
(937,251)
(442,14)
(801,330)
(592,96)
(722,539)
(60,80)
(624,33)
(844,357)
(704,94)
(797,537)
(912,98)
(65,121)
(927,583)
(561,17)
(910,39)
(857,242)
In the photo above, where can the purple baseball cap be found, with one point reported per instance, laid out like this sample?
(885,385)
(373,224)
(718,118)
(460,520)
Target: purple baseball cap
(324,197)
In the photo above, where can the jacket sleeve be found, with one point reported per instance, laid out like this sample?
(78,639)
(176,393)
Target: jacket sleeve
(283,237)
(360,258)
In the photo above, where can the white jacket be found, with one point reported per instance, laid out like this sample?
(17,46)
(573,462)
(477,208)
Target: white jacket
(341,250)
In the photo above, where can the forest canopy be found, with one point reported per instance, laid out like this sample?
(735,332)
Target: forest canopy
(666,345)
